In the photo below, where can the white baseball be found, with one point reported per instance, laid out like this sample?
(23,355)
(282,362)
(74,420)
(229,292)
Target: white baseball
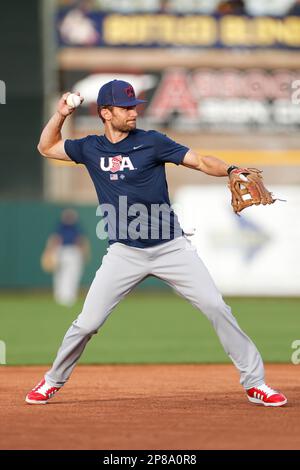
(73,100)
(243,177)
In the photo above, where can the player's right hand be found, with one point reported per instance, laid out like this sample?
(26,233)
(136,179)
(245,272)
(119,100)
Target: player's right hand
(63,108)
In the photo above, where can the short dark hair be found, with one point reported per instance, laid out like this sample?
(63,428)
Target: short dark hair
(103,107)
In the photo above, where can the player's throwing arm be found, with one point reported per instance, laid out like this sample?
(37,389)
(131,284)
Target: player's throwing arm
(51,144)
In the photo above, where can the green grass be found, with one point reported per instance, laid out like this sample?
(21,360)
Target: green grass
(145,328)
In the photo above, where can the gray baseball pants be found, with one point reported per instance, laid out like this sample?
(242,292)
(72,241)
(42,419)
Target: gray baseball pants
(177,263)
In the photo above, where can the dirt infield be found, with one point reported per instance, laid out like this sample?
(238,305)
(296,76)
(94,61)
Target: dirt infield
(148,407)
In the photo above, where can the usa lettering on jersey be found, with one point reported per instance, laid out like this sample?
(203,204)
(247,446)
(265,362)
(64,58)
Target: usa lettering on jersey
(117,163)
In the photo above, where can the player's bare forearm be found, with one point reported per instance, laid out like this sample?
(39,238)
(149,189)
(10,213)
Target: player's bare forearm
(51,144)
(53,241)
(212,166)
(51,134)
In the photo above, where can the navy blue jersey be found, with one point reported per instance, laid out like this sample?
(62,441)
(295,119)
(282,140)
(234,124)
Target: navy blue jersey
(130,182)
(69,233)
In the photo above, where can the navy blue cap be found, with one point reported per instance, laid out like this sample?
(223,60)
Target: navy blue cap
(117,93)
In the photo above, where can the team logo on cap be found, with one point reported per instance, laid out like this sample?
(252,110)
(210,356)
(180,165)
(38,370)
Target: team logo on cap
(129,91)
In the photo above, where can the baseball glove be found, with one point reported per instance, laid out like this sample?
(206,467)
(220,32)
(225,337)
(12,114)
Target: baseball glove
(247,188)
(49,261)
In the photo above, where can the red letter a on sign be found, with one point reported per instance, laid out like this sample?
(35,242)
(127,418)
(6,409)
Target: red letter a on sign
(173,94)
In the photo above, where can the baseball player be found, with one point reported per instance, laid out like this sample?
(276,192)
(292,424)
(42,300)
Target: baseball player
(127,164)
(69,249)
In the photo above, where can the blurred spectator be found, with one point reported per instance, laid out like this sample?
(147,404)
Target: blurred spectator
(129,6)
(66,251)
(205,7)
(268,7)
(295,9)
(231,7)
(82,4)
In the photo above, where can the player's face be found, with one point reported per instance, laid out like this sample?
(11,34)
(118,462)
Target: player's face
(123,119)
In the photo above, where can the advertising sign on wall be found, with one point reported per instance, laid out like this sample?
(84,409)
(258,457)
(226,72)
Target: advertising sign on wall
(80,28)
(257,253)
(191,100)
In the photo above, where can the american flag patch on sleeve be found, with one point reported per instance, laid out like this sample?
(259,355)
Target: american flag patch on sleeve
(113,176)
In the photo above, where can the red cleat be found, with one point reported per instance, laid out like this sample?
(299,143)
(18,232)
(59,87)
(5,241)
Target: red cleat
(264,395)
(40,394)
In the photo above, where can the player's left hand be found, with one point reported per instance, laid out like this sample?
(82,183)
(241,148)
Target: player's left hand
(247,188)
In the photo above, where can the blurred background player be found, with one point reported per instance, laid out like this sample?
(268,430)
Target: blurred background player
(66,252)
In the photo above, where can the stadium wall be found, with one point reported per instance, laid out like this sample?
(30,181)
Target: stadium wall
(23,237)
